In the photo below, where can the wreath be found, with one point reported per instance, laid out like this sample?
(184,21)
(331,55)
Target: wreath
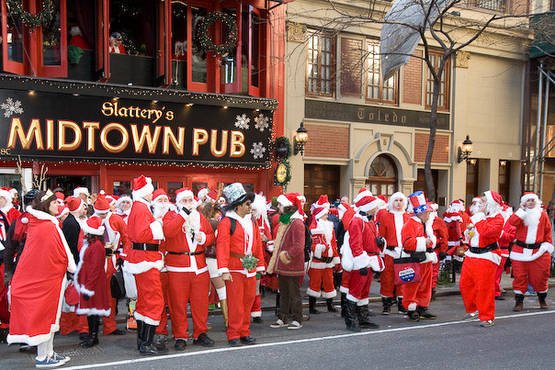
(282,147)
(205,41)
(42,18)
(277,177)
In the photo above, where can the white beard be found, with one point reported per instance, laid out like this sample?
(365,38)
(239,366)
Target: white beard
(474,209)
(532,216)
(327,227)
(160,210)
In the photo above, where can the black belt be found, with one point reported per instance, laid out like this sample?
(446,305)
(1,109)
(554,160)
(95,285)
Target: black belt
(146,247)
(391,247)
(429,250)
(528,246)
(109,252)
(185,253)
(486,249)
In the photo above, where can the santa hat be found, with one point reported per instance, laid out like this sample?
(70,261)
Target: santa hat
(529,196)
(290,199)
(342,208)
(476,199)
(418,203)
(62,211)
(202,193)
(80,190)
(383,198)
(93,226)
(320,212)
(183,193)
(123,198)
(494,198)
(13,192)
(456,206)
(109,198)
(5,193)
(302,198)
(101,205)
(159,193)
(142,186)
(394,197)
(60,197)
(323,201)
(434,206)
(74,204)
(365,201)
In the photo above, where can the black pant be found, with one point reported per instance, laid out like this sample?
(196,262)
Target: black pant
(290,301)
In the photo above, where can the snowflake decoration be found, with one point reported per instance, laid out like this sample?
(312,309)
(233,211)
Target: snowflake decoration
(262,122)
(242,121)
(11,107)
(258,150)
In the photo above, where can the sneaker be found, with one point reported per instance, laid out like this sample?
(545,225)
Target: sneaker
(62,359)
(470,316)
(48,362)
(278,324)
(487,324)
(257,320)
(294,325)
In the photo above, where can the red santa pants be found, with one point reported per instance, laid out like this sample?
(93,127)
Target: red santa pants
(240,297)
(185,287)
(359,287)
(477,287)
(162,328)
(110,321)
(535,273)
(321,283)
(498,275)
(150,299)
(345,278)
(419,294)
(256,309)
(435,273)
(387,279)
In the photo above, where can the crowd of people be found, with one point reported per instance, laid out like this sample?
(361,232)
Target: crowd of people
(64,259)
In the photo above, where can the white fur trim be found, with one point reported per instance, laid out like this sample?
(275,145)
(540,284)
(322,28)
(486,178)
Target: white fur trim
(395,196)
(260,269)
(143,266)
(528,255)
(319,265)
(363,302)
(361,261)
(222,293)
(313,293)
(421,244)
(328,295)
(146,319)
(527,197)
(223,270)
(270,246)
(256,314)
(93,311)
(144,191)
(399,223)
(412,306)
(452,218)
(521,213)
(336,261)
(376,263)
(187,269)
(80,190)
(430,257)
(157,231)
(89,230)
(318,250)
(493,257)
(202,237)
(282,199)
(477,217)
(351,298)
(343,289)
(184,194)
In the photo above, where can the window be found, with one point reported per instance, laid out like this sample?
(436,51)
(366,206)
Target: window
(443,97)
(376,88)
(382,176)
(495,5)
(179,43)
(320,65)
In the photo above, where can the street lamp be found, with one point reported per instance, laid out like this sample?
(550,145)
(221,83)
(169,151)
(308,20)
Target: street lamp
(464,150)
(300,139)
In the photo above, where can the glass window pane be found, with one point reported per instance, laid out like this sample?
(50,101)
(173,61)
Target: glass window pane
(133,27)
(255,50)
(51,48)
(199,73)
(15,39)
(179,43)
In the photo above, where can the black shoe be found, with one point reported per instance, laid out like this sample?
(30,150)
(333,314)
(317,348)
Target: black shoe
(351,317)
(425,314)
(414,316)
(89,342)
(386,303)
(433,294)
(180,345)
(118,332)
(83,336)
(204,340)
(92,339)
(257,320)
(499,298)
(234,343)
(400,307)
(329,304)
(248,340)
(363,322)
(312,306)
(147,347)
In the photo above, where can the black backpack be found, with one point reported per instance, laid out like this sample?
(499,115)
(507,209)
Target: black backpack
(307,243)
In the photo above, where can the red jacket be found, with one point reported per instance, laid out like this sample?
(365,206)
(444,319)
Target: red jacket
(391,224)
(322,247)
(90,280)
(362,240)
(231,248)
(487,230)
(441,233)
(532,231)
(415,238)
(116,229)
(179,241)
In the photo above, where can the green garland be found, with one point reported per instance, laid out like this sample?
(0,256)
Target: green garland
(287,176)
(203,34)
(282,142)
(42,18)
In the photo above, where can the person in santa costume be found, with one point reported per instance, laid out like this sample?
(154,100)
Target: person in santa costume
(123,206)
(454,222)
(38,284)
(419,242)
(145,261)
(390,225)
(324,257)
(240,257)
(288,261)
(90,281)
(346,213)
(442,236)
(362,256)
(187,231)
(505,243)
(531,253)
(477,282)
(10,212)
(260,216)
(117,242)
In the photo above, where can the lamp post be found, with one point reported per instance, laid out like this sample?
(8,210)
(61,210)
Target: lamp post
(464,150)
(300,139)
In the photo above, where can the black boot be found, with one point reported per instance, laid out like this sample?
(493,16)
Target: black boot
(140,334)
(92,339)
(277,304)
(519,303)
(160,342)
(329,303)
(146,347)
(414,315)
(541,299)
(400,307)
(433,294)
(363,321)
(351,319)
(312,306)
(386,302)
(425,314)
(343,300)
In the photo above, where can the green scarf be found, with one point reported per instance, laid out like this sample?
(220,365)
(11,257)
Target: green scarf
(286,218)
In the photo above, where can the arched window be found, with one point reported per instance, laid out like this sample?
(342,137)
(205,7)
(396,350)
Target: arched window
(382,176)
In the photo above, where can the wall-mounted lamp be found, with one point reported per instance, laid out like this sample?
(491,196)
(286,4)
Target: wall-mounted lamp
(300,139)
(464,150)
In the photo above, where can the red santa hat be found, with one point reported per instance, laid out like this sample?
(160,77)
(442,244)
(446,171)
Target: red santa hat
(365,201)
(109,198)
(142,187)
(93,226)
(418,203)
(74,204)
(302,198)
(80,190)
(529,196)
(320,211)
(5,193)
(183,193)
(13,192)
(493,198)
(456,206)
(62,211)
(290,199)
(323,201)
(383,198)
(159,193)
(101,206)
(60,196)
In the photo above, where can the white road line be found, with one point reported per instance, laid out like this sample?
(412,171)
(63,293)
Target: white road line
(307,340)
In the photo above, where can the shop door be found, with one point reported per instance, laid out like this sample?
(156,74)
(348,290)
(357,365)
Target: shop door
(321,179)
(382,176)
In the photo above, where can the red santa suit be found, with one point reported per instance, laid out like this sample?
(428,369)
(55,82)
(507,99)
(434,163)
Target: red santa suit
(506,239)
(39,281)
(346,213)
(144,259)
(241,290)
(442,236)
(477,282)
(324,256)
(188,278)
(531,254)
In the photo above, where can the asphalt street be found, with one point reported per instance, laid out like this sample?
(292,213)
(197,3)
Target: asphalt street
(518,341)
